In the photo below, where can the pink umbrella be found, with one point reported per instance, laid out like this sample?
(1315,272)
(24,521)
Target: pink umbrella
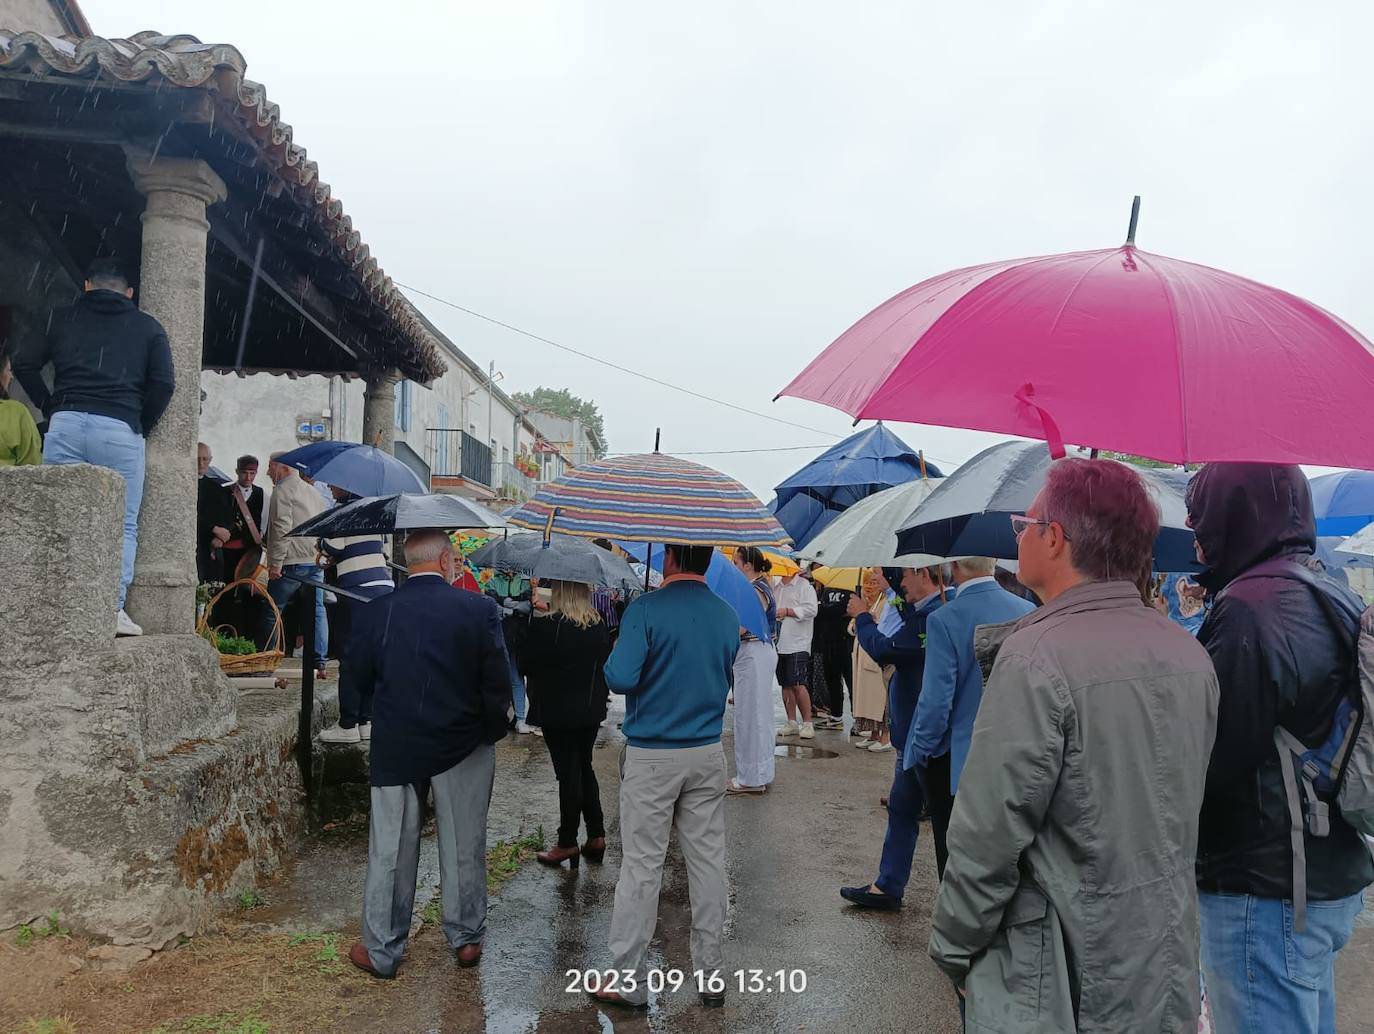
(1117,349)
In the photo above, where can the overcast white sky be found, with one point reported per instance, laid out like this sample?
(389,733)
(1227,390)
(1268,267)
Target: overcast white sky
(713,192)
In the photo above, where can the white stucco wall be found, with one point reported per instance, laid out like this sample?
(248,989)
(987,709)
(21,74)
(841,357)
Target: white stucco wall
(31,16)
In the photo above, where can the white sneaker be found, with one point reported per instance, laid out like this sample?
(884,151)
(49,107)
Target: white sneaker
(537,731)
(336,733)
(523,729)
(808,731)
(364,731)
(789,729)
(124,625)
(865,744)
(880,748)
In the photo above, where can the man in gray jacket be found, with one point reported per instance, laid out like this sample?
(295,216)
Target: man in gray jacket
(1068,902)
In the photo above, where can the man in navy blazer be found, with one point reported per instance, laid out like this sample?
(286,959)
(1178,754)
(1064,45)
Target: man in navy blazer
(437,660)
(952,687)
(921,593)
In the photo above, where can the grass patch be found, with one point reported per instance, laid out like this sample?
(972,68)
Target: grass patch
(49,927)
(221,1023)
(505,856)
(249,900)
(47,1025)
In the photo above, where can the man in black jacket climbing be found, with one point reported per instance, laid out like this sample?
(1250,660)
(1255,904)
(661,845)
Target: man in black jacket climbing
(1280,661)
(112,381)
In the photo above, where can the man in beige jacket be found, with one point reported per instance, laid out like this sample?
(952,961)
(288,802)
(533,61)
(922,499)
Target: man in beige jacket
(293,503)
(1069,900)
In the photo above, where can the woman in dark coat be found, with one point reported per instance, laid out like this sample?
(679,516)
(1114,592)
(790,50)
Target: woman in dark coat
(561,653)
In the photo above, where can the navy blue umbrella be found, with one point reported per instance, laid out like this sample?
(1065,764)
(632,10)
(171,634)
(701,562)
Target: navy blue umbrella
(862,464)
(970,513)
(359,469)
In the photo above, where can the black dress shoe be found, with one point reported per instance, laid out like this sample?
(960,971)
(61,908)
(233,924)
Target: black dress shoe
(865,898)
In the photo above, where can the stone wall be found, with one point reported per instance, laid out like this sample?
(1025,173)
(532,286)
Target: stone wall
(134,794)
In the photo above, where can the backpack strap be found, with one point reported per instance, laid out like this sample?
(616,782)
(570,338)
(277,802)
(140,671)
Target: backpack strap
(1290,787)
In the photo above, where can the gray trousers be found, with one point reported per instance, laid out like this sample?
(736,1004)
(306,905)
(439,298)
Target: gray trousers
(461,797)
(660,790)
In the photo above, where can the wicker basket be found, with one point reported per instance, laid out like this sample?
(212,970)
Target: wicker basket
(264,663)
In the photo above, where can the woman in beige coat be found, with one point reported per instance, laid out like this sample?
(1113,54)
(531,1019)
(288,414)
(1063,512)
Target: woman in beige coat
(869,682)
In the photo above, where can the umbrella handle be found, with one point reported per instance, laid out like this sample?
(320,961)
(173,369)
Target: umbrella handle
(1053,438)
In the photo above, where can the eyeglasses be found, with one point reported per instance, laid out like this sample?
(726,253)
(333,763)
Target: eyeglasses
(1020,523)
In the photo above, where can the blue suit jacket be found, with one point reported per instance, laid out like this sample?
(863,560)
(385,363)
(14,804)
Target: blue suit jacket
(437,660)
(953,683)
(906,651)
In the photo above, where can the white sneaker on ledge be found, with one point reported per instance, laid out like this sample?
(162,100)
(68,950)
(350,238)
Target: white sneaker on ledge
(808,731)
(523,729)
(336,733)
(124,625)
(365,731)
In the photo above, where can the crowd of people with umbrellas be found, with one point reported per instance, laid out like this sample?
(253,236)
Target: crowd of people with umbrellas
(1130,701)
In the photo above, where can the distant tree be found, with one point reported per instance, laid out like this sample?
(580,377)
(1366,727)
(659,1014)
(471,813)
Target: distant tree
(1139,461)
(562,402)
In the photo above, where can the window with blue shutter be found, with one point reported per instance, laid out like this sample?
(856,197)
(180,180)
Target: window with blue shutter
(402,396)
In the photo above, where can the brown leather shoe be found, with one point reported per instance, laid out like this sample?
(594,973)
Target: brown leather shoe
(469,955)
(594,850)
(558,855)
(359,957)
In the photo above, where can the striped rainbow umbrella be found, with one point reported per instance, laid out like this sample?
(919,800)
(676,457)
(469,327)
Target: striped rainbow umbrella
(652,497)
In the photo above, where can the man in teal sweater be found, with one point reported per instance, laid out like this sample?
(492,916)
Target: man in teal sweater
(674,662)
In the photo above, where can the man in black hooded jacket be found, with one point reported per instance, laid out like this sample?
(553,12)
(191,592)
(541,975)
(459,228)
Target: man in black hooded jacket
(1280,660)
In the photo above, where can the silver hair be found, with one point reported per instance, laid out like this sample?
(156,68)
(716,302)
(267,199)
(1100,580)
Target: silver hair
(978,566)
(1107,514)
(942,572)
(425,547)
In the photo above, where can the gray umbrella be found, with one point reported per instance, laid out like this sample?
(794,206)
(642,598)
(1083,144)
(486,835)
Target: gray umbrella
(518,551)
(598,567)
(969,514)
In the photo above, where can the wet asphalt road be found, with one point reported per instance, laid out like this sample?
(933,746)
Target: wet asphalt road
(788,853)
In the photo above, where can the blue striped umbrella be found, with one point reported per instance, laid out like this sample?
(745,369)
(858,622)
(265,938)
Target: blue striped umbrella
(652,497)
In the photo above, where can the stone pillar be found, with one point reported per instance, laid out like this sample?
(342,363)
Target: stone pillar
(172,288)
(379,410)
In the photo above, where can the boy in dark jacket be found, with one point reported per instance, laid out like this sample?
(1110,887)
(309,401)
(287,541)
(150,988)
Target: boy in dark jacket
(1279,661)
(112,381)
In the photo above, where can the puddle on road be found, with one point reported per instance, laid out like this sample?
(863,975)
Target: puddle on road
(792,750)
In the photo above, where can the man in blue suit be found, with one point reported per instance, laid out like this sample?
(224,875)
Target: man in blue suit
(920,592)
(437,660)
(952,687)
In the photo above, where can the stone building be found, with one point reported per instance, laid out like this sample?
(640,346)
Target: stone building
(138,785)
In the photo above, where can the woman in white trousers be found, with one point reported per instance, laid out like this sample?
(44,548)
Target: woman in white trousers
(755,667)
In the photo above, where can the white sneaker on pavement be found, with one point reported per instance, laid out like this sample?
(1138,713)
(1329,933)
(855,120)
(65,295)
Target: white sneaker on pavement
(124,625)
(336,733)
(808,731)
(365,731)
(788,729)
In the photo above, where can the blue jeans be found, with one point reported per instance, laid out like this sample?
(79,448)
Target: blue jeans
(904,802)
(283,591)
(1260,975)
(104,442)
(517,691)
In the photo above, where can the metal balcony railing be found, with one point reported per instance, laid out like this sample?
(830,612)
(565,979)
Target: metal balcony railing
(513,483)
(455,453)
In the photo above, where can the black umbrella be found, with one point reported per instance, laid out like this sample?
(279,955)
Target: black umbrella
(382,515)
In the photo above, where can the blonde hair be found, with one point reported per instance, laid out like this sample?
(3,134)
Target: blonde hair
(574,601)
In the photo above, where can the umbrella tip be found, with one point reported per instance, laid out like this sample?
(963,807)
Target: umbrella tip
(1135,218)
(658,432)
